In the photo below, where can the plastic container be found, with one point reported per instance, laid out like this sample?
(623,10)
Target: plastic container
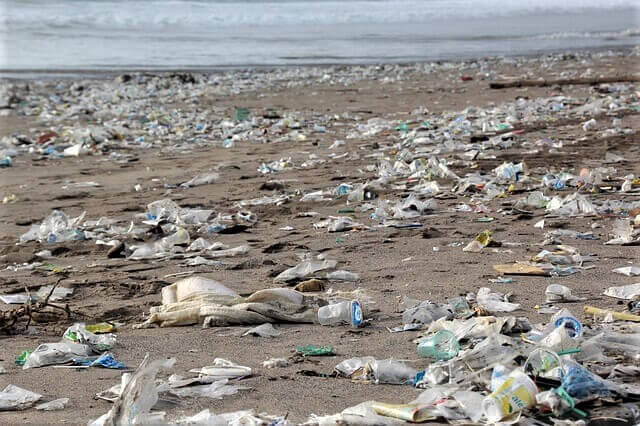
(349,312)
(564,318)
(441,347)
(515,394)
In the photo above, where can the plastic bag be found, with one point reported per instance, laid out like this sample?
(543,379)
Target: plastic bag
(16,398)
(78,333)
(494,301)
(56,353)
(137,397)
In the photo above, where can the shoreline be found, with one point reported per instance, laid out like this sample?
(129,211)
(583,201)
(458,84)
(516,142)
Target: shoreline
(103,73)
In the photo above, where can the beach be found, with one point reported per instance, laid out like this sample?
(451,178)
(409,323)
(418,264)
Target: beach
(270,137)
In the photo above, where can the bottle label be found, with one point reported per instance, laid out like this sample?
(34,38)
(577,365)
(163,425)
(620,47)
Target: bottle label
(356,314)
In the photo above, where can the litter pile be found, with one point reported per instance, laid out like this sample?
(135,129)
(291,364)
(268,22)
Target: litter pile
(457,259)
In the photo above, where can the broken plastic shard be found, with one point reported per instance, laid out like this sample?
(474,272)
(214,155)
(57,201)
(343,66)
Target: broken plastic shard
(443,345)
(56,404)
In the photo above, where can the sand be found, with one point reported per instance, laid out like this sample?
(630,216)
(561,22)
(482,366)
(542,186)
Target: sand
(391,263)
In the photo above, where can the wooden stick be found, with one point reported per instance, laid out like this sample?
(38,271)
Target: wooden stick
(505,84)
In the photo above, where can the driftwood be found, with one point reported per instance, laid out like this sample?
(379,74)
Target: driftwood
(9,320)
(505,84)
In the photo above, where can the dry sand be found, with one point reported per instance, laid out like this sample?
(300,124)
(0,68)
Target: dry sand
(391,263)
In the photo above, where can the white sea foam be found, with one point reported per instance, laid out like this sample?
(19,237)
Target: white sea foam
(98,34)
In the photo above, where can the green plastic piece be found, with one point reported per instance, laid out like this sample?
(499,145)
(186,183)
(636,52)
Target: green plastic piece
(313,350)
(22,358)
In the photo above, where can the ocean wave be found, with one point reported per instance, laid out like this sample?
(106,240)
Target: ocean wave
(191,14)
(603,35)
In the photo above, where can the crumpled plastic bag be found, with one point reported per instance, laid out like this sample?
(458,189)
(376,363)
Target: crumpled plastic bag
(377,371)
(242,417)
(305,269)
(622,232)
(560,293)
(137,397)
(426,313)
(56,353)
(626,292)
(15,398)
(494,301)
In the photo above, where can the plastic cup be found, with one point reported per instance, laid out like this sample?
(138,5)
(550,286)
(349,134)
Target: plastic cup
(441,347)
(516,393)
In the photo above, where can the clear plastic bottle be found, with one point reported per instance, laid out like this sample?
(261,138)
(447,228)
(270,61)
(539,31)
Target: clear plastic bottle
(349,312)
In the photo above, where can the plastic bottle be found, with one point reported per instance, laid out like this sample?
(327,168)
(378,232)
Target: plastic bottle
(349,312)
(442,346)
